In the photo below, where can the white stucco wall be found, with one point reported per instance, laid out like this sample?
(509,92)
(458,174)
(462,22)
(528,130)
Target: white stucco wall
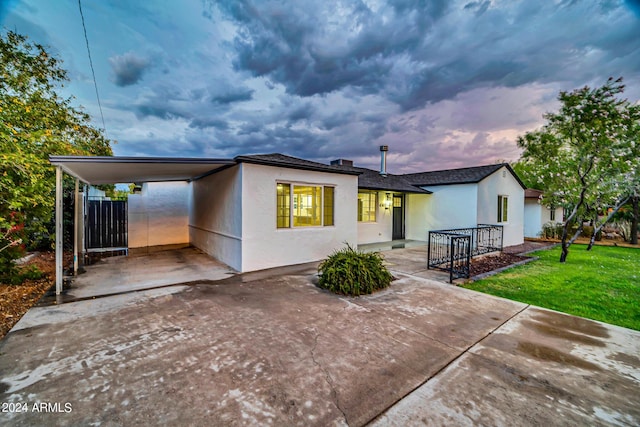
(264,245)
(502,182)
(532,218)
(536,215)
(215,216)
(158,215)
(379,231)
(451,206)
(416,208)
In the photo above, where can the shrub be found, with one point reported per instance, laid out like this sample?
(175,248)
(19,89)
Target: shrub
(551,230)
(10,274)
(351,272)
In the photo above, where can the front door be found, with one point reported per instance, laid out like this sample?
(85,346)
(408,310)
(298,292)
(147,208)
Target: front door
(398,217)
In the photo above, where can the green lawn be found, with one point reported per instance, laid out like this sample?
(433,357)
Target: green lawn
(602,284)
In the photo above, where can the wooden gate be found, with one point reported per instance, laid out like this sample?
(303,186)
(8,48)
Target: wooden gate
(106,226)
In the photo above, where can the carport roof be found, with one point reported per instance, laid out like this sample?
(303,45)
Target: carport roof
(112,170)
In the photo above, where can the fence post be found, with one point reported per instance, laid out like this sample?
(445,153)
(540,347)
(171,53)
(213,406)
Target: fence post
(451,267)
(429,252)
(59,231)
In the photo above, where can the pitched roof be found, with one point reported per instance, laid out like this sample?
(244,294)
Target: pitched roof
(458,176)
(281,160)
(370,179)
(532,193)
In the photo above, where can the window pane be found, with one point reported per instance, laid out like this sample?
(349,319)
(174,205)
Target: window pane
(328,205)
(367,207)
(283,204)
(307,206)
(505,208)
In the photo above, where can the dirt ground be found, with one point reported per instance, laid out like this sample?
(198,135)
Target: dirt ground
(493,262)
(15,300)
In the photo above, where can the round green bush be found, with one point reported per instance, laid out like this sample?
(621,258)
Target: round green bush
(351,272)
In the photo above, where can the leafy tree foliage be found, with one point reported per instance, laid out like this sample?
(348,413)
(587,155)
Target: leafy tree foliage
(586,156)
(35,121)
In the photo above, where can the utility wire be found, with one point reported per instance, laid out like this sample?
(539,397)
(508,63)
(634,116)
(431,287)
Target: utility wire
(93,73)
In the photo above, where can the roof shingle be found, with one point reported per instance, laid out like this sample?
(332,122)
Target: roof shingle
(281,160)
(458,176)
(372,180)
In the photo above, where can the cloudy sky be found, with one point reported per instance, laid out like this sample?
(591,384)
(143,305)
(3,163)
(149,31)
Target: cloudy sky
(444,83)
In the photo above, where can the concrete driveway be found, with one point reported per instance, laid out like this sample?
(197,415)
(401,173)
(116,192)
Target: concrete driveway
(270,348)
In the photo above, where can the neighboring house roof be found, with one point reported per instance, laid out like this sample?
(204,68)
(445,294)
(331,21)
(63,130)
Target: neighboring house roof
(470,175)
(370,179)
(531,193)
(281,160)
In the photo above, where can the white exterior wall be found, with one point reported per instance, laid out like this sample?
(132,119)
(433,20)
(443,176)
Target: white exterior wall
(379,231)
(537,215)
(502,182)
(264,245)
(416,207)
(451,206)
(532,218)
(159,215)
(215,216)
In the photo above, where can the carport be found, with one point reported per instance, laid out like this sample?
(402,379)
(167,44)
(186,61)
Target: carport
(96,170)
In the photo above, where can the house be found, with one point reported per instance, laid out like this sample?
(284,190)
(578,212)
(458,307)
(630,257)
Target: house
(407,206)
(536,215)
(466,197)
(260,211)
(250,212)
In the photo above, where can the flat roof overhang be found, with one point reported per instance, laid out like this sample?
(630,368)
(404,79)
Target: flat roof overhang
(112,170)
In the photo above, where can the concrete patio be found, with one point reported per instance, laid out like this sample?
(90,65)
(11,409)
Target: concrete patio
(270,348)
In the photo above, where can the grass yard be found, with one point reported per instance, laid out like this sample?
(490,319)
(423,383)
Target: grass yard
(602,284)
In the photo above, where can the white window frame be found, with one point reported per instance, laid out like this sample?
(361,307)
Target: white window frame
(503,214)
(292,185)
(375,207)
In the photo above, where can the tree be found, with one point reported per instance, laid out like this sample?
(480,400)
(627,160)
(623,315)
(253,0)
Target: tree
(581,156)
(35,121)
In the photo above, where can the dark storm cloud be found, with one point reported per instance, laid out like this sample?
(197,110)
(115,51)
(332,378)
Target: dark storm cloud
(201,108)
(232,95)
(128,69)
(417,52)
(315,49)
(634,5)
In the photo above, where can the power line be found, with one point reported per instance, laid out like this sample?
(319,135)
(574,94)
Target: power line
(93,73)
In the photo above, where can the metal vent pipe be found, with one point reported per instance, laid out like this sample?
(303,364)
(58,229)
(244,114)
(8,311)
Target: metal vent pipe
(383,159)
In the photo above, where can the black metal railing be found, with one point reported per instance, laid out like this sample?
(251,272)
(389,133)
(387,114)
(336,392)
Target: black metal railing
(451,250)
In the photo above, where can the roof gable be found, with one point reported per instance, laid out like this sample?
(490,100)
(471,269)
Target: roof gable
(284,161)
(469,175)
(370,179)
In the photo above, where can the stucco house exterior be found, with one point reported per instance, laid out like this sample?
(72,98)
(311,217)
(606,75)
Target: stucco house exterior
(263,211)
(536,215)
(260,211)
(466,197)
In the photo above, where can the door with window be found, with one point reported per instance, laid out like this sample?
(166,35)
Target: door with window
(398,217)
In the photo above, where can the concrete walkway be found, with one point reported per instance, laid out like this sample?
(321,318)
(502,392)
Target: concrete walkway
(119,274)
(270,348)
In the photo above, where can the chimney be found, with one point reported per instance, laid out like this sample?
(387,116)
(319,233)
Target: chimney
(341,162)
(383,159)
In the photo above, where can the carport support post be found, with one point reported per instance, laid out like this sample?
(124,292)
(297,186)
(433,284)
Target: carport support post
(76,227)
(59,232)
